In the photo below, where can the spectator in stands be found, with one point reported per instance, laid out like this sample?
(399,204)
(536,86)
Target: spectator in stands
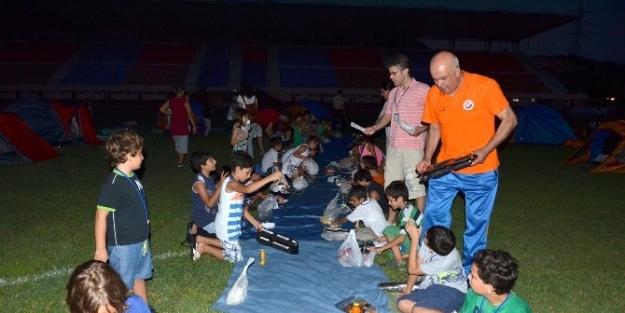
(248,101)
(338,103)
(385,90)
(461,110)
(179,109)
(404,112)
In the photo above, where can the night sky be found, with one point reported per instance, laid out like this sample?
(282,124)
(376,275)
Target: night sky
(602,35)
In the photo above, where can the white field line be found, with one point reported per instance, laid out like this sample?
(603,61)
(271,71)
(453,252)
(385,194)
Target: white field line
(65,271)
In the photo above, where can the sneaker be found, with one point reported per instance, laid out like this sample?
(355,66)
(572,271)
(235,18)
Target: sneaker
(181,166)
(195,255)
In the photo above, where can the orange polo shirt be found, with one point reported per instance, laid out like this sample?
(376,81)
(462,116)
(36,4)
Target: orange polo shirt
(466,119)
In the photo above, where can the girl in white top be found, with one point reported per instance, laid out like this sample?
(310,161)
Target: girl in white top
(293,158)
(248,101)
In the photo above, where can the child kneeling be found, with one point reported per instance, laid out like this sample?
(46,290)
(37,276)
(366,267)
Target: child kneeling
(366,210)
(231,207)
(396,238)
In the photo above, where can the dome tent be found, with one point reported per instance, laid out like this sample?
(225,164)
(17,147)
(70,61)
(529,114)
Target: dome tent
(538,124)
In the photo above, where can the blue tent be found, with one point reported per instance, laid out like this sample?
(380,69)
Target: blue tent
(539,124)
(197,109)
(316,108)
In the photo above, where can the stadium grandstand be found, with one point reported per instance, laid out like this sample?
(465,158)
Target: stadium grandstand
(290,50)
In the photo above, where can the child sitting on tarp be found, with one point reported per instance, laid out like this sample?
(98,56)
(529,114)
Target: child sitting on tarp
(375,191)
(368,163)
(366,210)
(204,199)
(396,238)
(294,157)
(444,284)
(271,159)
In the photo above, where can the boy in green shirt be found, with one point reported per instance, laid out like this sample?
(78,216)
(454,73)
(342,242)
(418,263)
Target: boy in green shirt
(397,239)
(492,277)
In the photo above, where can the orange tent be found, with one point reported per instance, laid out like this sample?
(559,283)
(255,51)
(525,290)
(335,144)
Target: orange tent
(612,160)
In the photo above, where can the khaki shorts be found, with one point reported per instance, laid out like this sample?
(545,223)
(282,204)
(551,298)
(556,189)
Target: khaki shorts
(181,144)
(401,165)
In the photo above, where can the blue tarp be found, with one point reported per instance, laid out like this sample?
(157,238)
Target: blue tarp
(313,280)
(539,124)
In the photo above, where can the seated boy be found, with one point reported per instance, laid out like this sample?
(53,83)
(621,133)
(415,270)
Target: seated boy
(231,210)
(396,238)
(271,159)
(375,191)
(204,197)
(366,210)
(444,284)
(492,277)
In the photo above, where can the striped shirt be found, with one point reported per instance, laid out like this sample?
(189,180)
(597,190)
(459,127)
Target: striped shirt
(409,103)
(228,219)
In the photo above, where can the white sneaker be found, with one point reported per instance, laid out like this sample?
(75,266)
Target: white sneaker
(195,254)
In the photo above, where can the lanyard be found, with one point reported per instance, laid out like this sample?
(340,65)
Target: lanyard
(498,308)
(401,97)
(141,194)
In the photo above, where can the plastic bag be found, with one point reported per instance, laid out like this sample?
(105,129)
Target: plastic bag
(367,259)
(409,177)
(300,184)
(281,186)
(345,188)
(311,167)
(265,208)
(334,210)
(238,292)
(349,252)
(409,129)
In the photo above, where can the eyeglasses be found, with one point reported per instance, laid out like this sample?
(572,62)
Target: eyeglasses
(395,73)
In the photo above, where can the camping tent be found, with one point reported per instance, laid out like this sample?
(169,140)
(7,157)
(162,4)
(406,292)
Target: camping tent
(605,148)
(19,143)
(538,124)
(54,122)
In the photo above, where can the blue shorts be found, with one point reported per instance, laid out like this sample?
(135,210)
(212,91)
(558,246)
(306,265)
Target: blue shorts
(232,251)
(437,297)
(132,262)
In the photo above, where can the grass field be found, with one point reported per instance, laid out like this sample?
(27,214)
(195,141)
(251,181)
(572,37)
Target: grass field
(566,229)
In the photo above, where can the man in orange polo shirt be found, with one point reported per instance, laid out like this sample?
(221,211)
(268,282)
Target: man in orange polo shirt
(460,109)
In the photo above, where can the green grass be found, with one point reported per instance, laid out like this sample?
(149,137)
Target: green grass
(565,229)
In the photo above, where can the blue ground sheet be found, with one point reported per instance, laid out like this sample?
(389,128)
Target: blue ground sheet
(313,280)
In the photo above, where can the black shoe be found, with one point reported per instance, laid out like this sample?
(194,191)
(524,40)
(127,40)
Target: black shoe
(152,309)
(190,238)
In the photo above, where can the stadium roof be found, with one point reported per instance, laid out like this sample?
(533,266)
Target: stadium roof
(266,22)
